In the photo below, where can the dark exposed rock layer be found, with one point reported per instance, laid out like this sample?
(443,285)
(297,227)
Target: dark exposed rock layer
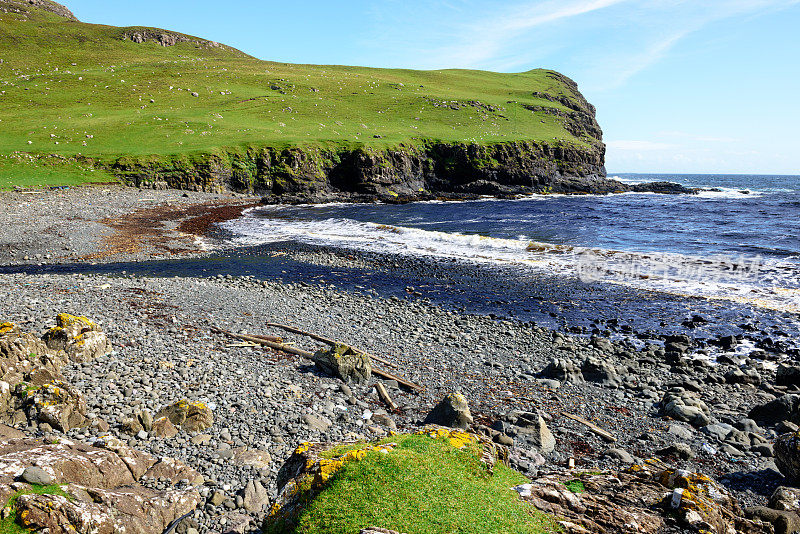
(403,173)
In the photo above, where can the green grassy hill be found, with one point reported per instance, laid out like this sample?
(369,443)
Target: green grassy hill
(70,88)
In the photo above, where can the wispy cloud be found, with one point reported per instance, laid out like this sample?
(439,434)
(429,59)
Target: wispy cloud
(606,42)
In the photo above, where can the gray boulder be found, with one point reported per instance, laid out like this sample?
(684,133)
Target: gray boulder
(600,371)
(788,375)
(682,405)
(787,455)
(344,362)
(562,370)
(534,427)
(784,408)
(452,411)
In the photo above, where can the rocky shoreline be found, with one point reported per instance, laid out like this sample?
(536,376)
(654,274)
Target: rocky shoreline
(660,399)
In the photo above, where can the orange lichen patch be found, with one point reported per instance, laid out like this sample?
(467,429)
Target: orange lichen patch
(6,327)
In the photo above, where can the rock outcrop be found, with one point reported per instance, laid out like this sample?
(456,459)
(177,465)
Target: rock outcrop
(79,337)
(93,489)
(24,6)
(32,388)
(641,499)
(403,173)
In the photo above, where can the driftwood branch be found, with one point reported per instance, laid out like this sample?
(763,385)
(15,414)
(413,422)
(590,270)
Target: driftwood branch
(308,355)
(608,436)
(384,396)
(325,340)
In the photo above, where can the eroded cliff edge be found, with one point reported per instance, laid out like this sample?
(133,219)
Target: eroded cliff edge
(318,174)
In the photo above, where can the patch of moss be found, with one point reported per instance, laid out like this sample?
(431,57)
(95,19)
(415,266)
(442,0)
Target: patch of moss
(575,486)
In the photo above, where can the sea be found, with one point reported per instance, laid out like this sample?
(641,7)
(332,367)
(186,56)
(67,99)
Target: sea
(736,241)
(632,265)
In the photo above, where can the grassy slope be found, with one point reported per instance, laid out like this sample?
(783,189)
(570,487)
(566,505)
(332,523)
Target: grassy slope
(423,486)
(71,88)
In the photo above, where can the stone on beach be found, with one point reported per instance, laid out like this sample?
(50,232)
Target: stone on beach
(344,362)
(79,337)
(452,411)
(191,416)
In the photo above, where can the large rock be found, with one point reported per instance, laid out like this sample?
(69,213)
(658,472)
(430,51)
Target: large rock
(255,497)
(191,416)
(23,353)
(786,450)
(452,411)
(534,427)
(788,375)
(682,405)
(79,337)
(562,370)
(641,499)
(103,484)
(784,408)
(344,362)
(600,371)
(58,404)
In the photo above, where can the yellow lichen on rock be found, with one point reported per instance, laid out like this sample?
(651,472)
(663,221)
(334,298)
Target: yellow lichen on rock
(6,328)
(65,320)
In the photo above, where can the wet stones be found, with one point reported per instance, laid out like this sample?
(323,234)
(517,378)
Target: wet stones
(452,411)
(344,362)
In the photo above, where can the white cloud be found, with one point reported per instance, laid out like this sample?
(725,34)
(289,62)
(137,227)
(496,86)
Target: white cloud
(602,42)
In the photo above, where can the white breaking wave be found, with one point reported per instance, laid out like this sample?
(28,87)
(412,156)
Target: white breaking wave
(726,193)
(772,284)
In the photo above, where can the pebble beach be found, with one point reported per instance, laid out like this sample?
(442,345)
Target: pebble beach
(265,403)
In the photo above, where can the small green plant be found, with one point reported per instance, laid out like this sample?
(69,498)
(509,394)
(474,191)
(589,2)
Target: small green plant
(575,486)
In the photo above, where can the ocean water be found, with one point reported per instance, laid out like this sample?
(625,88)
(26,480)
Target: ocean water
(739,243)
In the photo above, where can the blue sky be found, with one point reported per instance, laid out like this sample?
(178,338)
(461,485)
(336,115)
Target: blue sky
(705,86)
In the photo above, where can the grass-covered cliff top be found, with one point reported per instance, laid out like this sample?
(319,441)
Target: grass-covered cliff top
(68,87)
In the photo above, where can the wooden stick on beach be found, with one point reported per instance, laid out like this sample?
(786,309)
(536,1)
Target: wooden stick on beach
(384,396)
(325,340)
(308,355)
(594,428)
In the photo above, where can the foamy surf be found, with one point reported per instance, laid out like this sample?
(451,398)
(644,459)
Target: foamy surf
(765,283)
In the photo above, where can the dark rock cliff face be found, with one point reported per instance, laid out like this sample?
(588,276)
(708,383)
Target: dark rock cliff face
(403,173)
